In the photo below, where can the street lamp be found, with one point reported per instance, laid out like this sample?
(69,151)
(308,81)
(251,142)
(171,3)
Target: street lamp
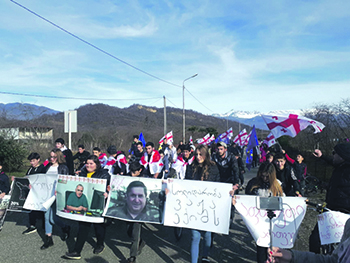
(183,106)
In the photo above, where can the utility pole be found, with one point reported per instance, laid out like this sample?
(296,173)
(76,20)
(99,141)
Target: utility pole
(164,115)
(183,108)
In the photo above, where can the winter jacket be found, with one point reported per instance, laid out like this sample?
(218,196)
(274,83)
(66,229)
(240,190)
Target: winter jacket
(4,183)
(82,157)
(288,179)
(338,191)
(228,167)
(36,170)
(101,173)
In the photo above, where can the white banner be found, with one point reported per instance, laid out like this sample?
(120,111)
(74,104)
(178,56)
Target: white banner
(81,198)
(331,226)
(198,205)
(43,187)
(135,199)
(284,226)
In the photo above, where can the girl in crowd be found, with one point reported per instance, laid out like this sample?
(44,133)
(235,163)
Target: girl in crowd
(265,184)
(56,166)
(202,169)
(92,169)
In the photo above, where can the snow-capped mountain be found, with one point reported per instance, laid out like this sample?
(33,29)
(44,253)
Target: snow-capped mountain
(254,118)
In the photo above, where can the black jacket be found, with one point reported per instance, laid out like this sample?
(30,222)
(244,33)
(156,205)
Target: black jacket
(4,183)
(62,169)
(338,191)
(37,170)
(288,179)
(82,157)
(69,160)
(228,168)
(101,173)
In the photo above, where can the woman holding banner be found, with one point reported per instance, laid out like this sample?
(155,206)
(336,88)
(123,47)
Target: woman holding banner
(56,166)
(92,169)
(202,169)
(265,184)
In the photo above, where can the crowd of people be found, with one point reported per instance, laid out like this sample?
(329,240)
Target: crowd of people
(278,175)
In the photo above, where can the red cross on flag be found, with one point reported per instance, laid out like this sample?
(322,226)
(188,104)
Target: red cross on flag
(290,125)
(241,137)
(270,140)
(204,140)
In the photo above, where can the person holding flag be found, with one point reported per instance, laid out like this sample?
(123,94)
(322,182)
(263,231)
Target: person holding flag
(183,161)
(152,161)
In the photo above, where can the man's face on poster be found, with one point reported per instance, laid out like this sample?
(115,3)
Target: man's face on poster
(136,200)
(79,191)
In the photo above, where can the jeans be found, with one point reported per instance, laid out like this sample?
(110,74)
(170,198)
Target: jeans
(52,219)
(196,238)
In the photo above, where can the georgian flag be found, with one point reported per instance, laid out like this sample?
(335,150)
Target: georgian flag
(245,143)
(270,140)
(225,137)
(204,140)
(241,137)
(211,139)
(190,141)
(168,136)
(290,125)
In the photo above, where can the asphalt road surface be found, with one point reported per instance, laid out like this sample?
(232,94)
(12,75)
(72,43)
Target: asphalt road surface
(161,245)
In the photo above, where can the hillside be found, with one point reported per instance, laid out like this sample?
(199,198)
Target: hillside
(102,125)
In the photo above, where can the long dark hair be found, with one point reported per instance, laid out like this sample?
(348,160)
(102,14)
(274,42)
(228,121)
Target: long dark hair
(203,149)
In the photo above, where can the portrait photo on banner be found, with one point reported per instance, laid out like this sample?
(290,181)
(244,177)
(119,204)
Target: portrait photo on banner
(135,199)
(81,198)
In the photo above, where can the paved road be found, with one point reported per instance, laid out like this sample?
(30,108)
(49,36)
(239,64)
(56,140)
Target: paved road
(161,246)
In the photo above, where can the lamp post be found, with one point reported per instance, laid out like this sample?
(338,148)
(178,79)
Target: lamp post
(183,106)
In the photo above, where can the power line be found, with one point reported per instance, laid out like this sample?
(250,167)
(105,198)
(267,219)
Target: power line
(105,52)
(67,98)
(92,45)
(172,102)
(198,100)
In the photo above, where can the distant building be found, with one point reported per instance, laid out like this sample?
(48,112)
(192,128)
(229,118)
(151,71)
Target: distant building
(29,134)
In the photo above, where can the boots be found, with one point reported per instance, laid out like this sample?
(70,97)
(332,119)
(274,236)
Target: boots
(47,243)
(65,233)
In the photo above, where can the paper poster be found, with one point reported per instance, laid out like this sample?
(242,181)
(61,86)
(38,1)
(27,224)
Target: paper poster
(198,205)
(284,226)
(331,226)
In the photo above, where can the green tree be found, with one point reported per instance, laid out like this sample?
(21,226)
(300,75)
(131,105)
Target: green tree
(12,154)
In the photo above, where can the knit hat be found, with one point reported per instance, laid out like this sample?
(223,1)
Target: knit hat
(343,150)
(60,140)
(112,149)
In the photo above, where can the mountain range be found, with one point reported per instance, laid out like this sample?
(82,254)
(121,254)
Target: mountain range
(25,111)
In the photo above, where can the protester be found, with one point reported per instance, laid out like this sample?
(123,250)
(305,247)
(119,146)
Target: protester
(35,168)
(92,169)
(56,166)
(265,184)
(300,169)
(152,161)
(241,169)
(338,190)
(183,161)
(102,157)
(269,157)
(202,169)
(117,163)
(134,228)
(4,190)
(81,155)
(138,153)
(340,255)
(67,155)
(133,146)
(286,175)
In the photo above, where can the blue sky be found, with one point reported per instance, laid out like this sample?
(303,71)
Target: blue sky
(249,55)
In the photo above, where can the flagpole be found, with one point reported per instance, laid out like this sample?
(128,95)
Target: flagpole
(183,107)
